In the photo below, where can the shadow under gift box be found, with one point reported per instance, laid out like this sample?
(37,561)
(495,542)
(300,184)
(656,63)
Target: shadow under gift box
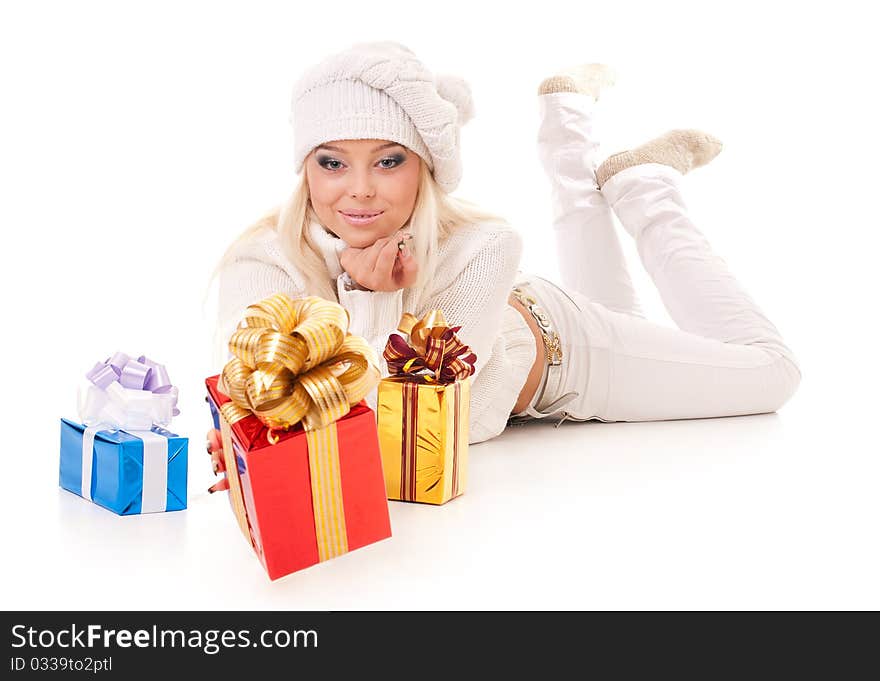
(423,434)
(270,486)
(117,468)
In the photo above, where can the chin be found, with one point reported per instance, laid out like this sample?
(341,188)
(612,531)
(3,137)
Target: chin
(362,238)
(357,239)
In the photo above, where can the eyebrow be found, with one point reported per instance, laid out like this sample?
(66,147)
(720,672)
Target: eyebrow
(373,151)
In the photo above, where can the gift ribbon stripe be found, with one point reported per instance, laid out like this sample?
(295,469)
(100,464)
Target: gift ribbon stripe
(88,450)
(154,491)
(232,475)
(455,437)
(409,441)
(330,529)
(154,481)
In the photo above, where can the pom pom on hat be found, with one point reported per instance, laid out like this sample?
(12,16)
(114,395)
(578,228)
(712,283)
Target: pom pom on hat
(456,90)
(380,90)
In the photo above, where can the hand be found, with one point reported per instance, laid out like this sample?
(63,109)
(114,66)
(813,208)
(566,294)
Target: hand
(383,266)
(214,446)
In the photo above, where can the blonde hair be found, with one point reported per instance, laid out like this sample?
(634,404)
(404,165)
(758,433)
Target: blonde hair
(435,216)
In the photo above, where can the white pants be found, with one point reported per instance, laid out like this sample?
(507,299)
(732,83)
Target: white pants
(724,359)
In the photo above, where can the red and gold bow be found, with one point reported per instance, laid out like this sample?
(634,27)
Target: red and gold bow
(433,347)
(295,361)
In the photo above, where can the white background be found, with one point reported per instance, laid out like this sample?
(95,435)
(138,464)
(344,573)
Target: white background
(137,139)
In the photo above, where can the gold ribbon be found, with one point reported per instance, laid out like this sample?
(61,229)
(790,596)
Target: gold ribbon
(235,494)
(294,361)
(433,346)
(419,330)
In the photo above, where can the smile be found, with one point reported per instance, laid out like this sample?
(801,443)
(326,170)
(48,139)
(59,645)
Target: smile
(360,218)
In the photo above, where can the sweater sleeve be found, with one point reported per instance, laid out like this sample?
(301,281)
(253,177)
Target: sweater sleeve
(476,300)
(477,297)
(243,282)
(374,316)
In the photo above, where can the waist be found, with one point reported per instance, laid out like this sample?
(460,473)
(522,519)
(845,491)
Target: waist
(552,311)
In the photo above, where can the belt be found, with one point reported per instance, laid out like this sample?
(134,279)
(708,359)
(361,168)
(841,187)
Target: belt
(552,377)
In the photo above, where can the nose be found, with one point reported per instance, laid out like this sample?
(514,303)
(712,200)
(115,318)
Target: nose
(361,185)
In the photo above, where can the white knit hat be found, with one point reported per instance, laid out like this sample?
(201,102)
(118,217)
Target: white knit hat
(380,90)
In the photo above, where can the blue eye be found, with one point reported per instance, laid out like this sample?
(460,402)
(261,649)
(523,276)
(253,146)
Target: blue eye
(396,160)
(328,163)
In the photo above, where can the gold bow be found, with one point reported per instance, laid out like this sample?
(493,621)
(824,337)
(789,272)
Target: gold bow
(419,330)
(295,361)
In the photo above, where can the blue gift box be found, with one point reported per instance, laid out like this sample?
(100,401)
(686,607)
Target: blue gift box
(117,468)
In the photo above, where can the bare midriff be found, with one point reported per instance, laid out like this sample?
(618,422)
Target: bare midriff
(534,378)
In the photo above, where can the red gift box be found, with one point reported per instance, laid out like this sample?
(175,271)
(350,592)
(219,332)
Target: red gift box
(271,493)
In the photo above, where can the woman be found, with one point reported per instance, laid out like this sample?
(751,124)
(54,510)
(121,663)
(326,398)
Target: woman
(373,226)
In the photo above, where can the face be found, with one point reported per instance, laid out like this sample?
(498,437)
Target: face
(363,190)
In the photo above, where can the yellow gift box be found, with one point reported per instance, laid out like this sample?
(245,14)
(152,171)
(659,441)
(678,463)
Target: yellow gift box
(423,411)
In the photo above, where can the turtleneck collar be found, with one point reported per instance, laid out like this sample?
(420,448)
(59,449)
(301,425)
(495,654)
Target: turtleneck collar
(330,246)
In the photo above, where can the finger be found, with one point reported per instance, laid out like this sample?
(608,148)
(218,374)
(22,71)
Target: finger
(217,463)
(409,263)
(349,256)
(372,254)
(213,440)
(386,260)
(219,486)
(358,262)
(409,267)
(364,270)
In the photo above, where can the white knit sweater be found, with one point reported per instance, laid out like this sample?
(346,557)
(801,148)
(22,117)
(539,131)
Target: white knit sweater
(477,268)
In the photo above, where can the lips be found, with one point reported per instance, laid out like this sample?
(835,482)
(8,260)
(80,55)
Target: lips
(359,218)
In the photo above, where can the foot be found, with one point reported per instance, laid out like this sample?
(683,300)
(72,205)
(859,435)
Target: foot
(683,150)
(587,79)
